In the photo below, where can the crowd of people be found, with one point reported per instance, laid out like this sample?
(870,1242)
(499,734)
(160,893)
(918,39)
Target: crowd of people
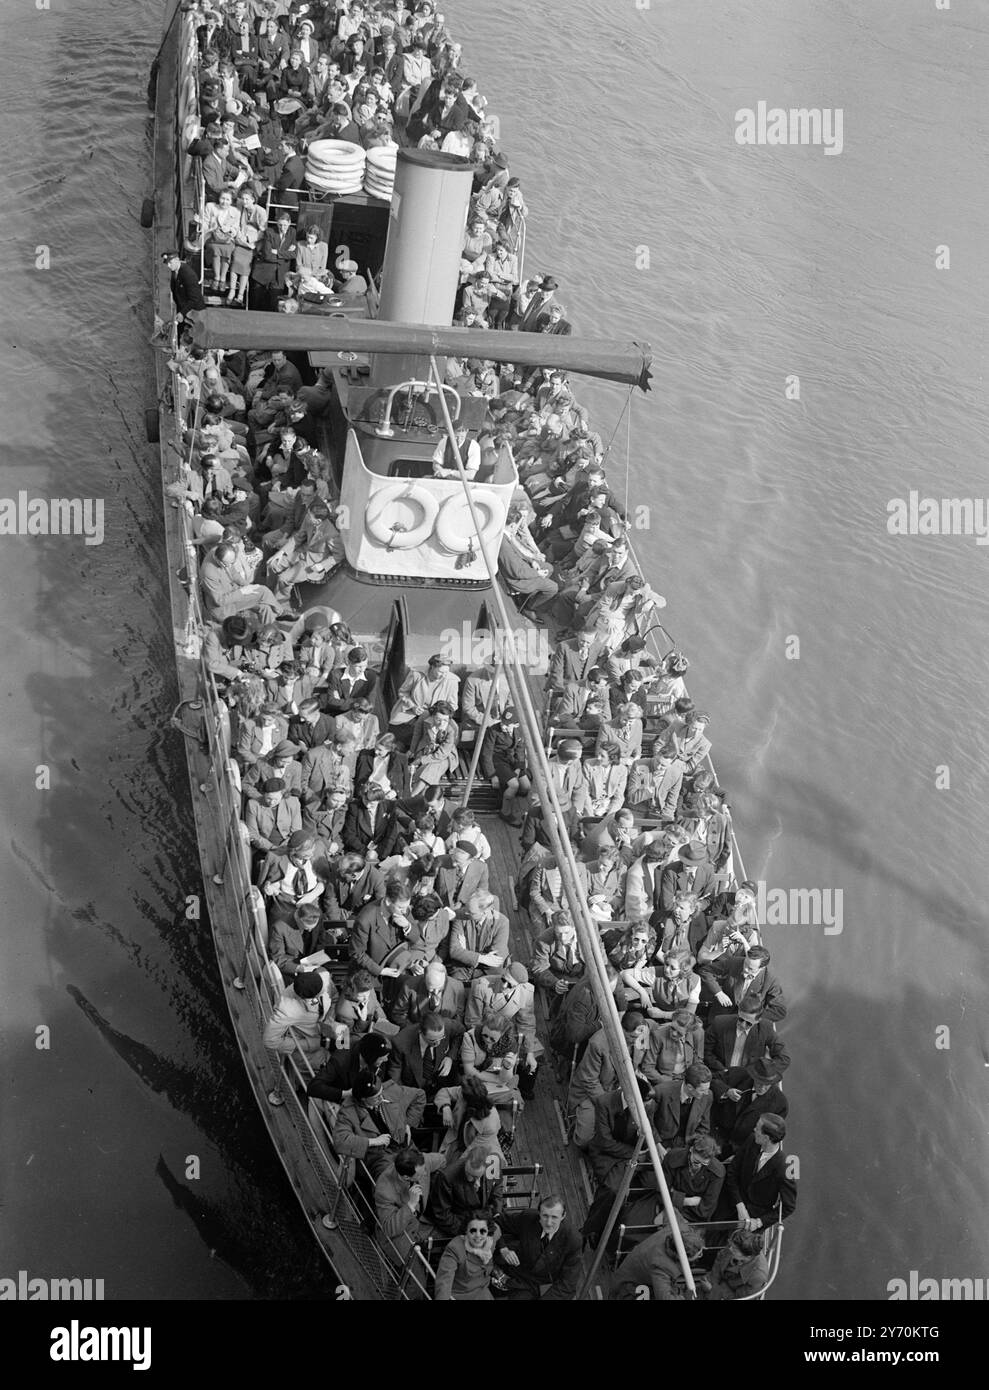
(400,981)
(276,77)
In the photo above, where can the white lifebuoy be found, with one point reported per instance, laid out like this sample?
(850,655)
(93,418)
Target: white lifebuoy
(455,527)
(387,510)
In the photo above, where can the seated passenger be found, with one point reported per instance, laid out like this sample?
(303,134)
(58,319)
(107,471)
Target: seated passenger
(425,1054)
(324,768)
(740,1269)
(676,987)
(303,1016)
(655,785)
(596,1073)
(351,883)
(654,1266)
(371,826)
(632,957)
(279,763)
(557,963)
(433,754)
(539,1254)
(273,818)
(445,461)
(376,1121)
(223,595)
(766,1097)
(385,764)
(359,1007)
(522,568)
(748,983)
(504,761)
(466,1186)
(401,1195)
(419,692)
(466,1265)
(683,1106)
(479,939)
(354,681)
(310,727)
(385,938)
(604,779)
(340,1073)
(290,877)
(508,994)
(432,992)
(290,942)
(694,1177)
(462,874)
(602,881)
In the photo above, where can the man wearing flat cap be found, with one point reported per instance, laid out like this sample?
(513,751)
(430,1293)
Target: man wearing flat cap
(349,284)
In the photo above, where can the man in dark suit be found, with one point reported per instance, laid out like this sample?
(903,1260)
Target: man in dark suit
(381,928)
(393,761)
(693,873)
(746,982)
(349,683)
(538,304)
(613,1143)
(351,885)
(469,1185)
(371,823)
(309,728)
(684,1109)
(540,1253)
(756,1179)
(573,661)
(424,1054)
(460,875)
(731,1045)
(433,992)
(337,1077)
(766,1098)
(186,291)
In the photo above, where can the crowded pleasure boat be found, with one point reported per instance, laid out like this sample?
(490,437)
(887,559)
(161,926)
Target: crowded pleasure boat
(482,923)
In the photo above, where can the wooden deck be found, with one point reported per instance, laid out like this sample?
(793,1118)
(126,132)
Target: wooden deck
(539,1136)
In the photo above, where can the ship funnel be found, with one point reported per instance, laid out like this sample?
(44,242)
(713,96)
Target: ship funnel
(426,231)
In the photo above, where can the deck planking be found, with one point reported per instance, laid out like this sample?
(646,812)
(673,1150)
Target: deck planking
(539,1138)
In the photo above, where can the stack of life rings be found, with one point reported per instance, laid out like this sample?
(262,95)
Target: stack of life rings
(335,166)
(379,172)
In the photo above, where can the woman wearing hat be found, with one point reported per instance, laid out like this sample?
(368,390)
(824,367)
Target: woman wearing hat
(305,41)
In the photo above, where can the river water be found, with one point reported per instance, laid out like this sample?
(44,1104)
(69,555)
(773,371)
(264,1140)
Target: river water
(843,667)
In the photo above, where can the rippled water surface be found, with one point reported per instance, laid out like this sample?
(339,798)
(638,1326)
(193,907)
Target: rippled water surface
(767,522)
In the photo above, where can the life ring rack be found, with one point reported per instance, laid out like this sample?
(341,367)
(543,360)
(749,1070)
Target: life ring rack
(381,517)
(455,526)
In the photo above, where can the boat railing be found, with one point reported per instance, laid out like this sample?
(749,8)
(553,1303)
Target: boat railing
(772,1246)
